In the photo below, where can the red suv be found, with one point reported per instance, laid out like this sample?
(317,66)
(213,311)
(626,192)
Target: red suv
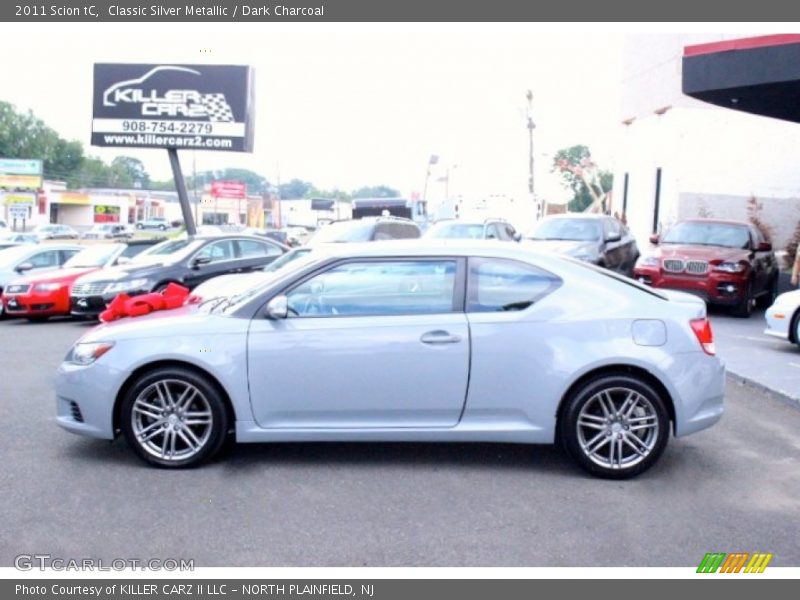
(724,262)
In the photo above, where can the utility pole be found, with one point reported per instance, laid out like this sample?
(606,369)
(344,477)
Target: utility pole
(531,126)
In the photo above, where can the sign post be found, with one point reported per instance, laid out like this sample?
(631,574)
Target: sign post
(208,107)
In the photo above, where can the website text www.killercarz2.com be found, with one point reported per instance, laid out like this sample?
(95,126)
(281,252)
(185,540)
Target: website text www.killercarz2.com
(172,141)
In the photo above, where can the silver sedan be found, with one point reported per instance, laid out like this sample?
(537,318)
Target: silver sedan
(407,341)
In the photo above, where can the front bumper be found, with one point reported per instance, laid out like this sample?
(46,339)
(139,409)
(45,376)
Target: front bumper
(85,398)
(33,304)
(89,306)
(778,320)
(714,287)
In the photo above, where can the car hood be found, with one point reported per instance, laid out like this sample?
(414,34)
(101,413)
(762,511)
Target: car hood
(189,320)
(570,247)
(130,271)
(229,285)
(788,299)
(55,275)
(684,251)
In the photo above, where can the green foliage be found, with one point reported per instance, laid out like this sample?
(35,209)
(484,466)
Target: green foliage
(22,135)
(576,156)
(376,191)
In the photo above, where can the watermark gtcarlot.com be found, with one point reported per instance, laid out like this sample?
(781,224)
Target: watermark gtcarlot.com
(43,562)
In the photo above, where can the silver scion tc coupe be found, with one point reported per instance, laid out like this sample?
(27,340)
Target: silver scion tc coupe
(407,341)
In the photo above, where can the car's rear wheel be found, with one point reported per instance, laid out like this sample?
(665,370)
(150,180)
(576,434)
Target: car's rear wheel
(174,417)
(614,426)
(745,308)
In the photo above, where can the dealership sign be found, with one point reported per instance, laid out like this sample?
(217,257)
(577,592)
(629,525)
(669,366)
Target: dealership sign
(228,189)
(20,173)
(200,107)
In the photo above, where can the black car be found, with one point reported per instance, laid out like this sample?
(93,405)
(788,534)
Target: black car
(598,239)
(368,229)
(187,261)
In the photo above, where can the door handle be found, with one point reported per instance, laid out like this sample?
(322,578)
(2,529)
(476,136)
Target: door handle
(439,337)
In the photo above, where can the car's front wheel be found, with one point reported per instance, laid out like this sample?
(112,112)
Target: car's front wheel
(174,417)
(745,307)
(614,426)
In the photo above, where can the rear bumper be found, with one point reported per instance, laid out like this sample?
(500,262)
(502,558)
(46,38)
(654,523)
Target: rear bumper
(697,383)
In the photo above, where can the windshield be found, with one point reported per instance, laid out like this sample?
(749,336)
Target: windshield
(343,231)
(93,256)
(171,248)
(708,234)
(583,230)
(9,256)
(455,231)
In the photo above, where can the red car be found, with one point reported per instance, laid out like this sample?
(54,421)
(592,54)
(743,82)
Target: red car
(724,262)
(46,293)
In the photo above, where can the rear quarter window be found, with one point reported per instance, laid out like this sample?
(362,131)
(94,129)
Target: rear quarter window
(501,285)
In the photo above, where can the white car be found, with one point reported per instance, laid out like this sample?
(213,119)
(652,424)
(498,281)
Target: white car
(783,317)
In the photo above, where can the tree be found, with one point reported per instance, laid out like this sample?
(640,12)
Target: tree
(130,170)
(296,188)
(589,184)
(23,135)
(376,191)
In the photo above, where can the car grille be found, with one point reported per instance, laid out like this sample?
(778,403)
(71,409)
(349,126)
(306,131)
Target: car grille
(75,411)
(692,267)
(16,289)
(672,265)
(88,289)
(696,267)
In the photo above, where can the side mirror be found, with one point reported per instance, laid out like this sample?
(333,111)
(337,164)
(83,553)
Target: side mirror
(614,237)
(655,238)
(200,261)
(517,237)
(764,247)
(278,308)
(26,266)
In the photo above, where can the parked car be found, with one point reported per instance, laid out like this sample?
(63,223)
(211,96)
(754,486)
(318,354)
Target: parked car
(407,341)
(12,237)
(783,317)
(728,263)
(187,261)
(56,232)
(30,258)
(159,223)
(368,229)
(3,225)
(41,295)
(597,239)
(490,229)
(107,231)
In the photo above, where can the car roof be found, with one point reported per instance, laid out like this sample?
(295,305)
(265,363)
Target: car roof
(578,216)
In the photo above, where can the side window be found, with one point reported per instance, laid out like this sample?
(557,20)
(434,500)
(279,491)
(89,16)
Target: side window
(497,285)
(256,249)
(42,260)
(67,254)
(367,288)
(491,232)
(217,251)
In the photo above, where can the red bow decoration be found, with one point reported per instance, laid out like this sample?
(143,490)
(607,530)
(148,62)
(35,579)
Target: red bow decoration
(174,296)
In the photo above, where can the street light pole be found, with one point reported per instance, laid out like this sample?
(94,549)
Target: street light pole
(531,126)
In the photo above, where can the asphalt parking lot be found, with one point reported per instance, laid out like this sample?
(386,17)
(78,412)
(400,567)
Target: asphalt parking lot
(733,488)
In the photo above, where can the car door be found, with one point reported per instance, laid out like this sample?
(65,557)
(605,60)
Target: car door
(215,258)
(378,343)
(762,267)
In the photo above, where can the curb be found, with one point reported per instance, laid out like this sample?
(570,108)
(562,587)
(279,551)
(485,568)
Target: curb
(771,392)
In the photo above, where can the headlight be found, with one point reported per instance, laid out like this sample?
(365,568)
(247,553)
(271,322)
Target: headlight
(647,261)
(122,286)
(730,267)
(47,287)
(85,353)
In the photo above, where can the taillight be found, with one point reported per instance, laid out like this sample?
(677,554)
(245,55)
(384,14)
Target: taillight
(702,329)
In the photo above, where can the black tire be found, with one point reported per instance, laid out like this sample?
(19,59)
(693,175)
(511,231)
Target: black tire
(209,443)
(744,309)
(768,298)
(162,227)
(139,226)
(653,436)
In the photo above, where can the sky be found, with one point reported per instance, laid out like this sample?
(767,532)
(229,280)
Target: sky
(346,105)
